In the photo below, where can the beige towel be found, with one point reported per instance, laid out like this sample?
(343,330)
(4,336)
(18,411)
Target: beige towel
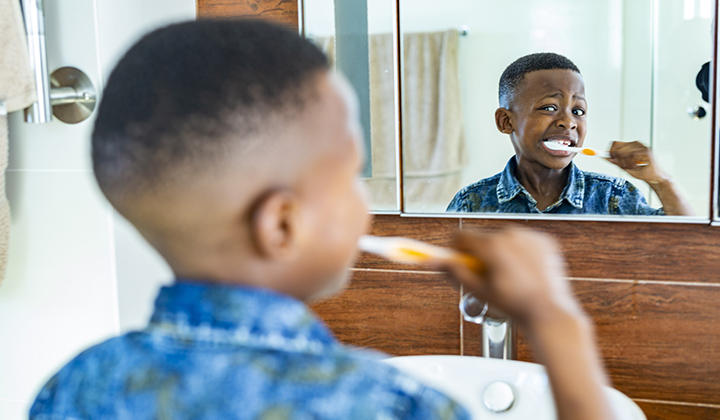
(17,91)
(433,140)
(17,87)
(4,206)
(432,113)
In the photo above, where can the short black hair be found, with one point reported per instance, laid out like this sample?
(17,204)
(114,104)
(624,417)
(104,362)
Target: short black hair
(515,72)
(182,92)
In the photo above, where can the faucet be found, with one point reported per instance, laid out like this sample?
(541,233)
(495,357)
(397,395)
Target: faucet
(498,336)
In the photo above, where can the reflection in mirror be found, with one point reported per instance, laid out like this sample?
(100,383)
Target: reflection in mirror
(641,64)
(357,37)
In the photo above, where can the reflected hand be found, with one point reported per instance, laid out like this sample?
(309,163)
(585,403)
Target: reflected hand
(637,160)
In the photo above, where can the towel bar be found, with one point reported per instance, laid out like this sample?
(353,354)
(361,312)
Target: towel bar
(67,93)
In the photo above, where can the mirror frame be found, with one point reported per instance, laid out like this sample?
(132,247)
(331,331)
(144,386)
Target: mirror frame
(715,158)
(711,218)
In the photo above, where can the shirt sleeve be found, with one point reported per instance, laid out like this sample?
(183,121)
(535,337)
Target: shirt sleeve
(44,407)
(633,202)
(461,203)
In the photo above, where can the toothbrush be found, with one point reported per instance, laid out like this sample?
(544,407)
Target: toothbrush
(410,251)
(585,151)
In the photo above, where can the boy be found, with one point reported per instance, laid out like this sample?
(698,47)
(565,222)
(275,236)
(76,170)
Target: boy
(542,99)
(236,153)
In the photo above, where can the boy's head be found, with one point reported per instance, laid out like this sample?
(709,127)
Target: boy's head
(542,98)
(235,152)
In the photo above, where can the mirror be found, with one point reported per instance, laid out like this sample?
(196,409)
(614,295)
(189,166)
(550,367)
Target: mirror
(357,36)
(639,61)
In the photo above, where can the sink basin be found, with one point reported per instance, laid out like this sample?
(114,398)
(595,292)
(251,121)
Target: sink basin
(498,389)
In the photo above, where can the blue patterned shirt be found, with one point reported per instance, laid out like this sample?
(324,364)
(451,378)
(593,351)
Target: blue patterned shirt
(585,193)
(223,352)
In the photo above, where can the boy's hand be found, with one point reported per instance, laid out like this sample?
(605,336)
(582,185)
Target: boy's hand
(637,160)
(524,276)
(523,273)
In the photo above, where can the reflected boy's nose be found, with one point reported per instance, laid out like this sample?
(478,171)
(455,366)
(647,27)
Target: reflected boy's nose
(566,120)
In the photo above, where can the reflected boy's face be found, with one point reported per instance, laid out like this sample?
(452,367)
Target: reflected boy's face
(549,106)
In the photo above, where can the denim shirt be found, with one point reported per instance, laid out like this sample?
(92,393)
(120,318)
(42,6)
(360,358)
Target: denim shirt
(223,352)
(585,193)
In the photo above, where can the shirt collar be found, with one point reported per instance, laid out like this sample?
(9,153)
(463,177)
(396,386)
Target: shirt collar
(509,187)
(574,191)
(237,314)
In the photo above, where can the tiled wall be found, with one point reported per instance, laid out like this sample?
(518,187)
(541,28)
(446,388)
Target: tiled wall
(71,272)
(59,294)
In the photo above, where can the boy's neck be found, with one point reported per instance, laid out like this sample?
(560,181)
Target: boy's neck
(543,183)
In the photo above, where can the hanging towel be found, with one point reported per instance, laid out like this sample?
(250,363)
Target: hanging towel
(434,153)
(4,205)
(17,91)
(17,87)
(432,112)
(433,142)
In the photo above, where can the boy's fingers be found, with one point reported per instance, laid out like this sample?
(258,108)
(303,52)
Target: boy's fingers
(471,280)
(630,156)
(472,243)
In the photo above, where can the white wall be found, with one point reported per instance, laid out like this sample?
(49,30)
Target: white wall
(140,270)
(682,144)
(76,274)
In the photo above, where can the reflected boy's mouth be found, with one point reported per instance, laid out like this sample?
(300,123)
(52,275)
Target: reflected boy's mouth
(563,140)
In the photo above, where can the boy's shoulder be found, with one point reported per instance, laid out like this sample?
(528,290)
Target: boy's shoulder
(476,196)
(140,375)
(483,184)
(479,188)
(83,381)
(597,179)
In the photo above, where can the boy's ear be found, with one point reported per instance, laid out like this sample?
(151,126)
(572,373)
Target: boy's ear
(503,120)
(274,224)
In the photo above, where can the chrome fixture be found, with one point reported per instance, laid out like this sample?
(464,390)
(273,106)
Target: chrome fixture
(72,95)
(696,113)
(498,337)
(41,111)
(67,93)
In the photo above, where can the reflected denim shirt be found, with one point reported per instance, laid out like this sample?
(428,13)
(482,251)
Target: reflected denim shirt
(226,352)
(585,193)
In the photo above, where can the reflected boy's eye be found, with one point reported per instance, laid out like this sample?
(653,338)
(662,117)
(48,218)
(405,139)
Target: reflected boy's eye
(579,112)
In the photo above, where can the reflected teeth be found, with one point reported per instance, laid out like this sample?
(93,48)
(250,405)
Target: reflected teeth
(562,142)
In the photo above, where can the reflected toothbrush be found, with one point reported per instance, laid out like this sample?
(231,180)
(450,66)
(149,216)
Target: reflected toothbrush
(410,251)
(584,151)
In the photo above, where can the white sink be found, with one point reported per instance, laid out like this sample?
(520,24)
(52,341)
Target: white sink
(483,385)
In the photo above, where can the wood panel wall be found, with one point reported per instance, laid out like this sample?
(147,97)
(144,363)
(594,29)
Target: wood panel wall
(653,291)
(280,11)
